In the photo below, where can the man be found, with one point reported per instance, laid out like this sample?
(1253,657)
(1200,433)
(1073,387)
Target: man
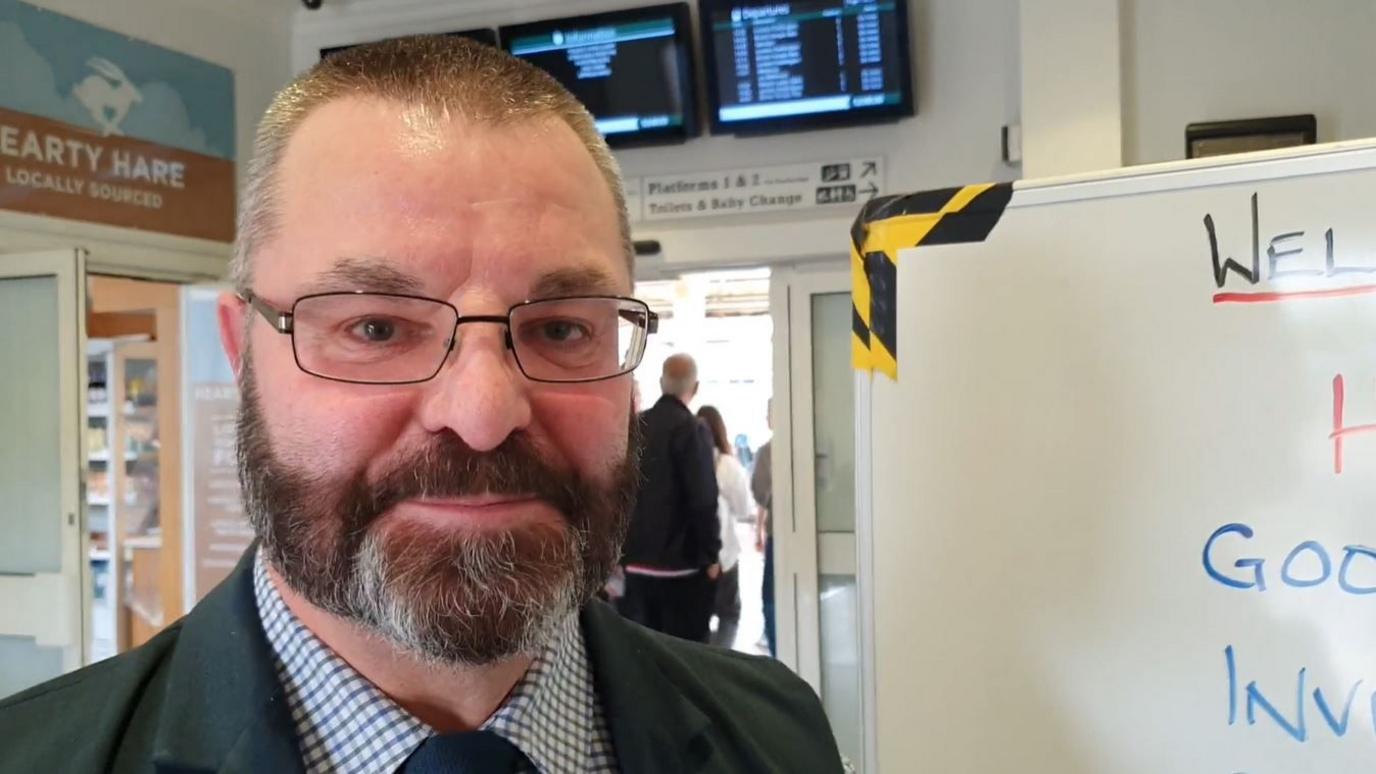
(436,448)
(762,487)
(671,551)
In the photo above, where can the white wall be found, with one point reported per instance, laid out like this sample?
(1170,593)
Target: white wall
(1071,87)
(1225,59)
(965,53)
(252,38)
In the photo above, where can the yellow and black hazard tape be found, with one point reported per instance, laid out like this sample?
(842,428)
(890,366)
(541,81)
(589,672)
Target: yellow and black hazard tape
(887,224)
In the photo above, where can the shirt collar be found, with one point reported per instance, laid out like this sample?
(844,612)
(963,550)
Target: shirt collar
(345,723)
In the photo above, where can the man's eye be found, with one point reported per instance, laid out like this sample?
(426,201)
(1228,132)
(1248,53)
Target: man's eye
(563,330)
(375,330)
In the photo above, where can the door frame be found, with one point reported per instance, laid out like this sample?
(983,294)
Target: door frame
(793,522)
(801,554)
(116,295)
(864,570)
(113,261)
(53,607)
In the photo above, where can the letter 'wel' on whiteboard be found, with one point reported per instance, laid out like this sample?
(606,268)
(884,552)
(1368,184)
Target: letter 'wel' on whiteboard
(1324,272)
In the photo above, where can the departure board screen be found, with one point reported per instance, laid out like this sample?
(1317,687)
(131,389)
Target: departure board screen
(777,66)
(632,69)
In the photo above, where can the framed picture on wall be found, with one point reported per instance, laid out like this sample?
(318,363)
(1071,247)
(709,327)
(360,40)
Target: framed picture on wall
(1218,138)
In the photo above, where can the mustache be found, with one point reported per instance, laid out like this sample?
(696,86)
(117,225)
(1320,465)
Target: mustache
(446,466)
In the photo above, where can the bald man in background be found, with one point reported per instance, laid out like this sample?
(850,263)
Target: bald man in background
(670,555)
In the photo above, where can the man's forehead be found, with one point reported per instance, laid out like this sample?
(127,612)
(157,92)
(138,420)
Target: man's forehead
(336,132)
(365,181)
(405,160)
(381,275)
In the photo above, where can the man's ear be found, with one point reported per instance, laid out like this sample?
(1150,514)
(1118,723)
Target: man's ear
(233,329)
(695,390)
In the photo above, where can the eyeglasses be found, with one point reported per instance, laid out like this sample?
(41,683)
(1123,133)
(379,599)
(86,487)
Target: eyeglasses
(390,338)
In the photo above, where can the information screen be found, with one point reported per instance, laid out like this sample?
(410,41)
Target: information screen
(775,66)
(632,69)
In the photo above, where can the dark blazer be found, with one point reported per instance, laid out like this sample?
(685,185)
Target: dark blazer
(203,696)
(674,526)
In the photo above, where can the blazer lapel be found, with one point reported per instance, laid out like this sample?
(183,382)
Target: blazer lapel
(654,727)
(225,710)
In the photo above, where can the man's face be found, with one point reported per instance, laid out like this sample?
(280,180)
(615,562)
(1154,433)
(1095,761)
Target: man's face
(465,516)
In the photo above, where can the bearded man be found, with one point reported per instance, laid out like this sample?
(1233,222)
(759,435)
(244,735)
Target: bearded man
(433,334)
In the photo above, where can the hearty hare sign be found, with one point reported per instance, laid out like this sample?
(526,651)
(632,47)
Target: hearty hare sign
(100,127)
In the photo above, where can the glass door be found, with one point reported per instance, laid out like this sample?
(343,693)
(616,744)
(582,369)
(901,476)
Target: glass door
(833,487)
(817,572)
(43,567)
(142,321)
(139,490)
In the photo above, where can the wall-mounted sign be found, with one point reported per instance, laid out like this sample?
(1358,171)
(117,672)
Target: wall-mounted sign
(761,189)
(215,529)
(101,127)
(222,532)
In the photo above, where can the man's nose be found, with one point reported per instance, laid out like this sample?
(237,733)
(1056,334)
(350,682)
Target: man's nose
(480,394)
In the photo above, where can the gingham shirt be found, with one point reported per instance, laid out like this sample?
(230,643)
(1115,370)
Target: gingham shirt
(346,724)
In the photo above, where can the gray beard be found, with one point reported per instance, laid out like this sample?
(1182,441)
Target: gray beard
(451,598)
(458,629)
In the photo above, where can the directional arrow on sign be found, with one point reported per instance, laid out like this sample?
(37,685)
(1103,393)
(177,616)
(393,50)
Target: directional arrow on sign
(870,190)
(870,168)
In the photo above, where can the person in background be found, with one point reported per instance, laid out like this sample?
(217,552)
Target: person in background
(734,504)
(671,553)
(744,453)
(762,486)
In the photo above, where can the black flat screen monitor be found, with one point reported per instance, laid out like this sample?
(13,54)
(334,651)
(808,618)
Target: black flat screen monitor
(633,69)
(486,35)
(806,64)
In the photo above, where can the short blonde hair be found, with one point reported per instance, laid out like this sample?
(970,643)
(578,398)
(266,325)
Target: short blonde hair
(450,75)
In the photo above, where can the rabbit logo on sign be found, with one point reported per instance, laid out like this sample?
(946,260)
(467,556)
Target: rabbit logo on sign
(107,94)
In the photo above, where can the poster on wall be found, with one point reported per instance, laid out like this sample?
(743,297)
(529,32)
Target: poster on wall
(216,531)
(101,127)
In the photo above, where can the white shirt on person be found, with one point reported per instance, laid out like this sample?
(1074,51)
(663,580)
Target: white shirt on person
(734,504)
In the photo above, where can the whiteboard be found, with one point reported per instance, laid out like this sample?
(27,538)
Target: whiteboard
(1077,412)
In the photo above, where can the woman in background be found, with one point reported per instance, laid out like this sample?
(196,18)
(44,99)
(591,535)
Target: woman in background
(733,504)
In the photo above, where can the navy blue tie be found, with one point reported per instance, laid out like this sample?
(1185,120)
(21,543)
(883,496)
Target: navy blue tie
(474,752)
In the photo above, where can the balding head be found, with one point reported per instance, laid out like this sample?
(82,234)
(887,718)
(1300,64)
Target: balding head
(433,75)
(680,377)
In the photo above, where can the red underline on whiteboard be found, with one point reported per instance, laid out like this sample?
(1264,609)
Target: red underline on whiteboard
(1294,295)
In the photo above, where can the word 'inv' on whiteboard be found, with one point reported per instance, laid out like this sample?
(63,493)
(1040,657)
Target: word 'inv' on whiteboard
(1287,263)
(1342,431)
(1334,708)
